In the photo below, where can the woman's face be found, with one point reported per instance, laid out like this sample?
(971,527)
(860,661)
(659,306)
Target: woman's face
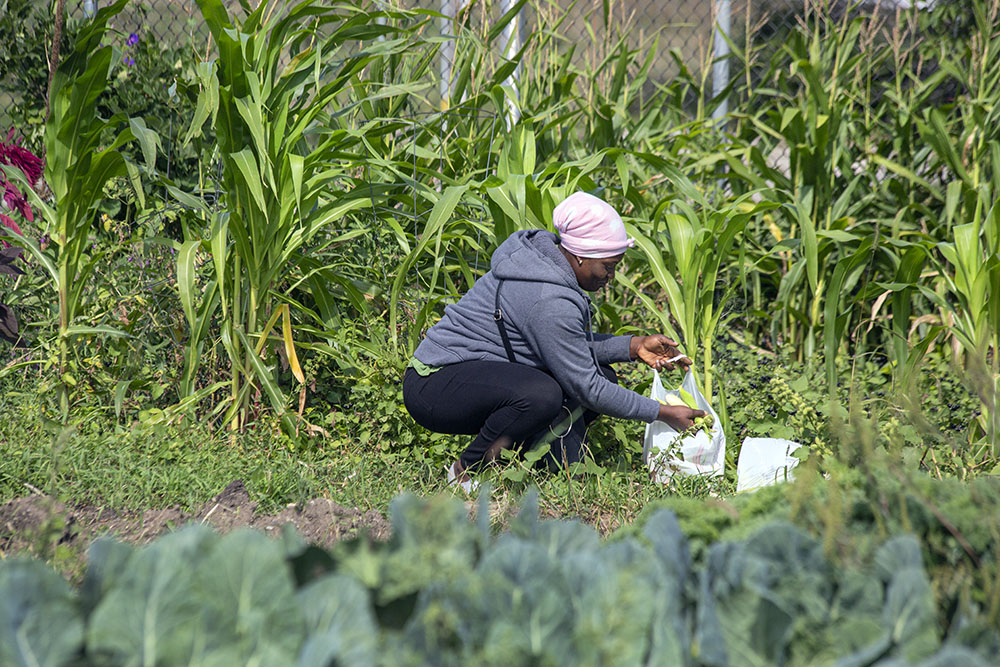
(595,273)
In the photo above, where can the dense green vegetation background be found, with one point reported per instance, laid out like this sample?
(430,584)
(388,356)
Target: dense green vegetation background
(279,217)
(249,238)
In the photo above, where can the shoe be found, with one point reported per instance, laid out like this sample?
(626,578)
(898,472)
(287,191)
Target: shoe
(469,486)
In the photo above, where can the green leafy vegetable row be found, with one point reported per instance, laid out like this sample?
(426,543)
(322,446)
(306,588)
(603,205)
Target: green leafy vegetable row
(448,592)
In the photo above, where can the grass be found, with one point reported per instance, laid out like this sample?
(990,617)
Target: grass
(184,466)
(146,464)
(138,468)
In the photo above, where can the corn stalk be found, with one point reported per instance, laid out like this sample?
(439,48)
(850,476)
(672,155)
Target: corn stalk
(688,246)
(280,94)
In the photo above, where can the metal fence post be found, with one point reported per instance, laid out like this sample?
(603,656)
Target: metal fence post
(447,56)
(89,8)
(512,44)
(720,63)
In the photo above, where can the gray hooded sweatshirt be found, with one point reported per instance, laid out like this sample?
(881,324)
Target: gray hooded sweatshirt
(547,317)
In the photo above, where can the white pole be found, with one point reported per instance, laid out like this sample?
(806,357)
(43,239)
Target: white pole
(447,56)
(720,64)
(512,42)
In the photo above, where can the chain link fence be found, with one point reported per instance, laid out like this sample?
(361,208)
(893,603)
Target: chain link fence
(712,41)
(698,37)
(688,28)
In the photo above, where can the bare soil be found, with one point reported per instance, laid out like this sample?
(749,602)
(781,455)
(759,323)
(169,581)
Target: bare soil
(29,522)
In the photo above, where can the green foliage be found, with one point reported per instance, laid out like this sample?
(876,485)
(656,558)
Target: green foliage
(353,209)
(81,157)
(546,592)
(34,601)
(145,452)
(855,512)
(280,129)
(149,83)
(700,240)
(142,82)
(810,254)
(28,27)
(236,605)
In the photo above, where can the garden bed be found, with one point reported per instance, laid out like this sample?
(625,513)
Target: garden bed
(26,522)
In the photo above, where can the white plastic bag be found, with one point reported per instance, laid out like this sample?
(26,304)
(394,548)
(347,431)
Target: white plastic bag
(765,461)
(666,453)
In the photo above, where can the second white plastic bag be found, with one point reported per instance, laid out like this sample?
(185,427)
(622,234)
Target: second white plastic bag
(666,453)
(765,461)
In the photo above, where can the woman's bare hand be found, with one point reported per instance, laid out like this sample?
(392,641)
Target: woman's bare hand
(679,417)
(659,352)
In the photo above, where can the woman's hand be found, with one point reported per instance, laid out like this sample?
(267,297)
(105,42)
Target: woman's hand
(656,351)
(679,417)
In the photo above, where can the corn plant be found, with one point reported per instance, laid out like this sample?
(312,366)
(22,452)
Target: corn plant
(969,268)
(584,125)
(953,181)
(281,95)
(966,149)
(820,87)
(688,245)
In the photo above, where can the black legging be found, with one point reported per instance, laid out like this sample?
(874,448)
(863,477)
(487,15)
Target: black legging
(488,399)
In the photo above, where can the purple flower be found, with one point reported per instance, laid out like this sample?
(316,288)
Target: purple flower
(132,40)
(129,61)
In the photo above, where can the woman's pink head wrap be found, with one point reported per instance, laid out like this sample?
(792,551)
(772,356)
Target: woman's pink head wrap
(589,227)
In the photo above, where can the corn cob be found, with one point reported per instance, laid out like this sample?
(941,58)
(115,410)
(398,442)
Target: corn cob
(687,400)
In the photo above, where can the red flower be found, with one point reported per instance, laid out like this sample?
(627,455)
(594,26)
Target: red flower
(9,224)
(22,158)
(13,199)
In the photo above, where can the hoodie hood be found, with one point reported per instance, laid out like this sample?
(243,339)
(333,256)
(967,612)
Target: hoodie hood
(533,255)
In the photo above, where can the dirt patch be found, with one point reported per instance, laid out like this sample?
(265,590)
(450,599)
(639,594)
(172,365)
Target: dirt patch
(27,524)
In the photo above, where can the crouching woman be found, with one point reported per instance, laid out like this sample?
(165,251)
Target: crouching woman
(515,362)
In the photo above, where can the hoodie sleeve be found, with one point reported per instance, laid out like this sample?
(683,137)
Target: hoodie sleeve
(611,349)
(555,330)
